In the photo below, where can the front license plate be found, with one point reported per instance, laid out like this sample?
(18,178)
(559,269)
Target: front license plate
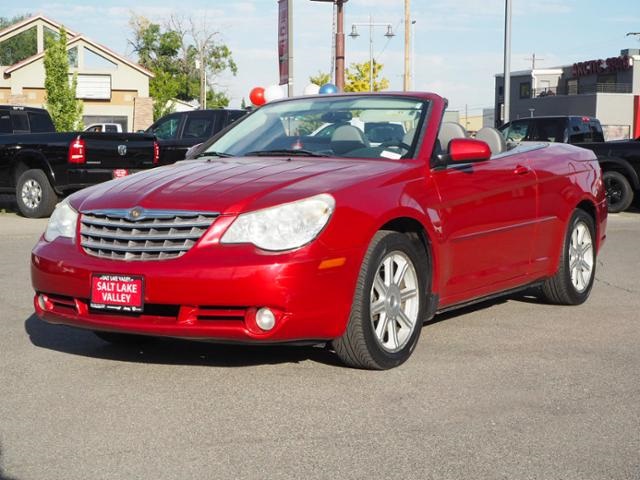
(122,293)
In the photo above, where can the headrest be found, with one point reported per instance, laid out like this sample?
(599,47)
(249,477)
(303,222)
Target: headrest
(449,131)
(494,139)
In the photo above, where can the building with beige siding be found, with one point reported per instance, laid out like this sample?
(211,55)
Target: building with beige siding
(113,88)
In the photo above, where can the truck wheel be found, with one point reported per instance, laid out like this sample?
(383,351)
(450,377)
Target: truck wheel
(388,306)
(619,191)
(34,195)
(572,283)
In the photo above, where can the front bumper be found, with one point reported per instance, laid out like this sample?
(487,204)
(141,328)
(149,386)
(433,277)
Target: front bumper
(211,293)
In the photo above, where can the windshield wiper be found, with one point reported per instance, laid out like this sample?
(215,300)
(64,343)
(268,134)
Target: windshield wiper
(285,152)
(214,154)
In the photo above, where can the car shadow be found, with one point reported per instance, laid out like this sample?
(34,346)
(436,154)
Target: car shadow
(3,475)
(171,351)
(8,204)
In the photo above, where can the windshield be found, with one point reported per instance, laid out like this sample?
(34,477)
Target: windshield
(350,127)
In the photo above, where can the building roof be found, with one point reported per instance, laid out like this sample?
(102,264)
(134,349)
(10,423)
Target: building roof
(16,26)
(76,38)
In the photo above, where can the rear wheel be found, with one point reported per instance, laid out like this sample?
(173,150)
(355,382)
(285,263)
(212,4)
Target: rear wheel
(619,191)
(388,306)
(571,285)
(34,195)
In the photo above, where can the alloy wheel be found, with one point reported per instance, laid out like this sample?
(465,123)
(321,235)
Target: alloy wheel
(394,301)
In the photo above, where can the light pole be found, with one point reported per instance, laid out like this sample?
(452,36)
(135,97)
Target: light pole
(354,34)
(507,60)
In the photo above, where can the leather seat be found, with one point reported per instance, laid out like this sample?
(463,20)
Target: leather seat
(347,138)
(449,131)
(493,138)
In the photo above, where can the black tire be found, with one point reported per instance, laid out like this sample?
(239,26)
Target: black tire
(35,195)
(560,288)
(123,339)
(619,191)
(359,346)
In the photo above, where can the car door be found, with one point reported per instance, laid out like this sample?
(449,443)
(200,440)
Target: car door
(488,213)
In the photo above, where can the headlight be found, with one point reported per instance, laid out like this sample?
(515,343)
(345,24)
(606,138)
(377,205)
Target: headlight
(62,222)
(283,227)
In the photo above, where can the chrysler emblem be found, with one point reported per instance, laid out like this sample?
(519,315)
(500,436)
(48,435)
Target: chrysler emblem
(135,213)
(122,150)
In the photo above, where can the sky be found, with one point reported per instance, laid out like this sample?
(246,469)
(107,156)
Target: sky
(458,44)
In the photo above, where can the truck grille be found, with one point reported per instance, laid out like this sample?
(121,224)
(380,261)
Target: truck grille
(139,234)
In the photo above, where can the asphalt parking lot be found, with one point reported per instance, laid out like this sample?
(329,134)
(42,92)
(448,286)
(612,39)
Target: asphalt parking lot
(508,389)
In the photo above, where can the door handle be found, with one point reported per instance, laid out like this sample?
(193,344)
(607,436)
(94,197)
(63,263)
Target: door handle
(521,170)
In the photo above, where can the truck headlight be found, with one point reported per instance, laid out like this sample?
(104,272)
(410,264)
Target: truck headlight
(283,227)
(62,222)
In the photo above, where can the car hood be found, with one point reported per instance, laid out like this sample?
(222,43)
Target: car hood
(231,185)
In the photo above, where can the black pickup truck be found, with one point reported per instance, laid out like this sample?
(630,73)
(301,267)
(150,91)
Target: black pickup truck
(619,160)
(40,165)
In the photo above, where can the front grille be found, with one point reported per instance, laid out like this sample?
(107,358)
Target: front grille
(138,234)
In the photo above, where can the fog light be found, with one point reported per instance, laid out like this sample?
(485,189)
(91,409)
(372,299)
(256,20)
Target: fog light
(265,319)
(43,302)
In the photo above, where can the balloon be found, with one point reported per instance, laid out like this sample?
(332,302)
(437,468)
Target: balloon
(273,92)
(312,89)
(257,96)
(328,88)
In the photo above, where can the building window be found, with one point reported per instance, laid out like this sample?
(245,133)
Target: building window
(72,54)
(500,90)
(525,90)
(17,48)
(572,87)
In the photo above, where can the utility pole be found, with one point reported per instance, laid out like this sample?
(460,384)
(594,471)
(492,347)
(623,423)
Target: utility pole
(407,45)
(507,60)
(338,5)
(533,61)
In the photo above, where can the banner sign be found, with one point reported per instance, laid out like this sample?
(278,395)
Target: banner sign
(283,40)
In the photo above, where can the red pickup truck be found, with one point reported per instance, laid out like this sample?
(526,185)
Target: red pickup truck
(278,235)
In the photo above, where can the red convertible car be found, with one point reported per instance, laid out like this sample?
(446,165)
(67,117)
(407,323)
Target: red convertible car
(275,234)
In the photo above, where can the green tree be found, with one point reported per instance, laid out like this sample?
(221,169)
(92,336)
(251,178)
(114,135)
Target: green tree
(359,75)
(173,53)
(320,79)
(20,46)
(60,96)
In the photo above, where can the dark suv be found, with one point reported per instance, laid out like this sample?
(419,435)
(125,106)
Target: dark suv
(564,129)
(177,132)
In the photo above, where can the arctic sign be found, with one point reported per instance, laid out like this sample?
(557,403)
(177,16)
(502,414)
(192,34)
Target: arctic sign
(610,65)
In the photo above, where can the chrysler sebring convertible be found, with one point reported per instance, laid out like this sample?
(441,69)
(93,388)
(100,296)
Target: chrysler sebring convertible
(274,234)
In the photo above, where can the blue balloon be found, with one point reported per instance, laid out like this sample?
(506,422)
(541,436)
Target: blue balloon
(328,88)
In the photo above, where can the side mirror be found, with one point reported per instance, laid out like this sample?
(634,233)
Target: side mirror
(464,150)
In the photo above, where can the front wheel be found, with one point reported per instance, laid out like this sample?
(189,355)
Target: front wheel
(572,283)
(388,306)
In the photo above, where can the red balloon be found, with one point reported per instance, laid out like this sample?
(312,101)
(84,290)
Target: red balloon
(257,96)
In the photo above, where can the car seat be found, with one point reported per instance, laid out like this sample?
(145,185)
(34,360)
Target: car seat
(347,138)
(493,138)
(449,131)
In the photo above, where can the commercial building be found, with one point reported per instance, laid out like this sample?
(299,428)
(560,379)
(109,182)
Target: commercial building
(607,89)
(113,88)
